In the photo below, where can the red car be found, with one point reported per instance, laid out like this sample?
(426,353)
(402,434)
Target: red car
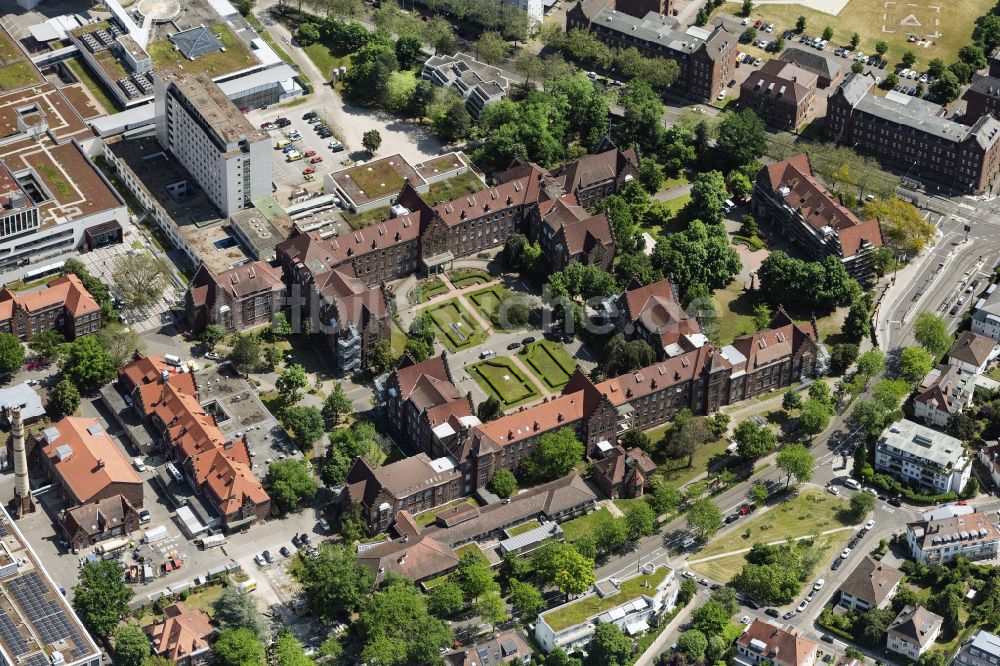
(308,170)
(316,160)
(744,509)
(756,25)
(309,153)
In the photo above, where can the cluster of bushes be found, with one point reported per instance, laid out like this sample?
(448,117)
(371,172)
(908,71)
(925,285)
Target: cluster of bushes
(890,485)
(629,63)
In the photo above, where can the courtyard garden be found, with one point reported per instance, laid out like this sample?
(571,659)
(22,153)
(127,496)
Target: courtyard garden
(428,288)
(455,327)
(466,277)
(550,362)
(501,379)
(504,309)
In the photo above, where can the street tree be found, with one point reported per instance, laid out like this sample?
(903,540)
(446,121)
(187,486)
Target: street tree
(291,381)
(121,342)
(931,332)
(855,40)
(245,354)
(475,576)
(64,399)
(381,357)
(306,423)
(871,363)
(238,647)
(526,599)
(861,505)
(371,140)
(101,596)
(639,520)
(289,483)
(904,228)
(800,24)
(336,405)
(140,278)
(445,599)
(791,401)
(11,353)
(754,441)
(711,618)
(236,608)
(491,608)
(503,483)
(909,57)
(662,498)
(704,518)
(795,460)
(915,363)
(827,33)
(334,583)
(842,356)
(87,364)
(814,418)
(491,48)
(610,533)
(131,646)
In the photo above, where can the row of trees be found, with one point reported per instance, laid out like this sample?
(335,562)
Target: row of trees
(629,63)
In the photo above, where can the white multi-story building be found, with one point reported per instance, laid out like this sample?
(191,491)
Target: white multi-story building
(228,157)
(917,454)
(629,603)
(913,632)
(953,531)
(535,9)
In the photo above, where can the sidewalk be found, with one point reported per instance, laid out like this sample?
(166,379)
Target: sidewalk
(648,658)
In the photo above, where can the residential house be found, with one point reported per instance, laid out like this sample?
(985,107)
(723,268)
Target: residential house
(569,234)
(415,484)
(872,584)
(653,313)
(87,524)
(80,457)
(789,196)
(972,352)
(781,93)
(989,456)
(923,457)
(944,392)
(421,396)
(598,175)
(983,649)
(828,71)
(623,473)
(507,647)
(240,298)
(958,531)
(184,636)
(706,57)
(909,131)
(913,632)
(764,643)
(631,603)
(64,306)
(986,318)
(477,83)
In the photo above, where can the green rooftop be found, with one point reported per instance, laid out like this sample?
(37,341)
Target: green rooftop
(269,208)
(586,607)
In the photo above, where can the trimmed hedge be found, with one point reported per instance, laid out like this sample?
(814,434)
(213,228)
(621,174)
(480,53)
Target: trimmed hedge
(888,484)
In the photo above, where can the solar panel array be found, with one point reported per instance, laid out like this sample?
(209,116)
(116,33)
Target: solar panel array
(12,636)
(51,623)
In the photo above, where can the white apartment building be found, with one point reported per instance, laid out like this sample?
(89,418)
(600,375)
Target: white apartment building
(534,8)
(913,632)
(953,531)
(919,455)
(228,157)
(629,603)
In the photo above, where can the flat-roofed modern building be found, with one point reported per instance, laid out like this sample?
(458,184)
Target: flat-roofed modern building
(477,83)
(196,122)
(924,457)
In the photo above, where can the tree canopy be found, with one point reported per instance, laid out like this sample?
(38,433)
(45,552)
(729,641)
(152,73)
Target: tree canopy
(101,596)
(289,483)
(397,628)
(334,583)
(554,456)
(87,364)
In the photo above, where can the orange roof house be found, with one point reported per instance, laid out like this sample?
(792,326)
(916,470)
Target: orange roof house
(183,636)
(64,305)
(87,464)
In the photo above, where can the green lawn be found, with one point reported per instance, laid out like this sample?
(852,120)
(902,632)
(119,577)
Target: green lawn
(500,378)
(97,91)
(677,472)
(724,568)
(489,302)
(576,528)
(425,518)
(471,548)
(236,55)
(376,179)
(398,340)
(367,218)
(325,60)
(809,511)
(466,277)
(428,289)
(453,188)
(549,361)
(456,329)
(735,307)
(593,604)
(876,20)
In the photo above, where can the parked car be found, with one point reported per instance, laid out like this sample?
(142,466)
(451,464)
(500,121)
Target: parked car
(826,638)
(316,160)
(833,490)
(335,146)
(324,524)
(836,564)
(309,153)
(745,509)
(689,574)
(771,612)
(528,340)
(802,606)
(144,517)
(514,345)
(489,353)
(285,552)
(296,541)
(213,356)
(818,585)
(844,554)
(732,518)
(870,524)
(267,556)
(789,615)
(895,501)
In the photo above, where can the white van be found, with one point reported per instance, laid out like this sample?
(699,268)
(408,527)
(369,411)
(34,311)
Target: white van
(172,360)
(729,205)
(139,464)
(852,484)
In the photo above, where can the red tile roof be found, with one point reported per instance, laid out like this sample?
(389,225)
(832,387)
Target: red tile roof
(66,290)
(93,463)
(784,647)
(182,632)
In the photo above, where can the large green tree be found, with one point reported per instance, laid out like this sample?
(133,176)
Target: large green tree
(740,137)
(101,596)
(445,599)
(11,353)
(306,423)
(64,398)
(526,599)
(396,628)
(704,518)
(336,405)
(245,355)
(334,583)
(289,483)
(795,460)
(915,363)
(131,645)
(609,646)
(475,576)
(87,364)
(932,334)
(754,441)
(237,608)
(700,255)
(560,565)
(554,456)
(140,278)
(238,647)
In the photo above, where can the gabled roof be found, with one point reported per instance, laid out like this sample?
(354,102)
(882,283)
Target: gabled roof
(354,302)
(97,517)
(784,647)
(67,291)
(916,625)
(812,61)
(401,478)
(415,558)
(182,632)
(584,235)
(410,374)
(511,193)
(237,282)
(590,170)
(972,348)
(613,467)
(781,80)
(871,581)
(144,369)
(85,458)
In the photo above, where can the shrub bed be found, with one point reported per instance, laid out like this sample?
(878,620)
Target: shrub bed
(515,390)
